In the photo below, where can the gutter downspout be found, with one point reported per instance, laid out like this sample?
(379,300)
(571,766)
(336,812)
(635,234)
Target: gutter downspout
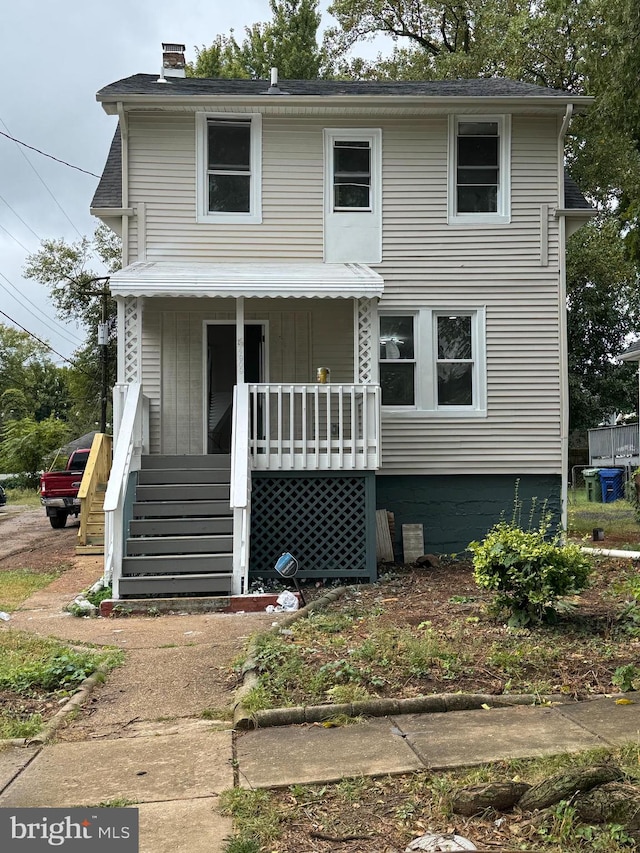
(562,316)
(124,134)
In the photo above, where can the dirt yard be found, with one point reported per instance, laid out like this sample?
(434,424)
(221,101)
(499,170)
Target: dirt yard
(28,540)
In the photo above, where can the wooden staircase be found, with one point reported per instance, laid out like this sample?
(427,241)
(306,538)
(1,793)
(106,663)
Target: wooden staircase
(95,520)
(180,537)
(91,495)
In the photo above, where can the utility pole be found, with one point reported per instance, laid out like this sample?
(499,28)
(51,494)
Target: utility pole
(103,343)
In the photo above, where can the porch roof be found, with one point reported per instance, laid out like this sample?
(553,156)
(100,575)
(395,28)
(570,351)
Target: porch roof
(268,279)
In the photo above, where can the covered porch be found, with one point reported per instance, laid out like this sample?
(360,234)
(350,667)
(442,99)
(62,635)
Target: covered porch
(261,403)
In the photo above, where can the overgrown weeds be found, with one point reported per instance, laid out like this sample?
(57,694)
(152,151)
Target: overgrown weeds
(528,569)
(404,637)
(29,664)
(388,812)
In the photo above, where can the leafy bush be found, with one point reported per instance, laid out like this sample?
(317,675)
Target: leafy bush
(528,570)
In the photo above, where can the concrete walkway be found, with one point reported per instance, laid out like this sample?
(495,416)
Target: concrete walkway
(142,736)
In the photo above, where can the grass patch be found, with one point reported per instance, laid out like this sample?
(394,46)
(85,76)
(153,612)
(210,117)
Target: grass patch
(619,518)
(23,497)
(29,664)
(13,725)
(255,815)
(225,713)
(16,586)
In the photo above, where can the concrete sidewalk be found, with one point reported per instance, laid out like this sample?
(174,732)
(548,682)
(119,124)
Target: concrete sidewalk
(142,737)
(175,776)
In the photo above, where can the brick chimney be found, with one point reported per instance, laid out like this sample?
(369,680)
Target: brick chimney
(173,62)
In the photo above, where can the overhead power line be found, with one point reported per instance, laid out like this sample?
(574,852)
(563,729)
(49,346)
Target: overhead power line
(65,333)
(42,180)
(15,213)
(50,156)
(40,341)
(22,245)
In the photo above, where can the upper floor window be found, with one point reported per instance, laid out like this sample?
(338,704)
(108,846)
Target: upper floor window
(434,361)
(479,169)
(229,168)
(351,174)
(353,195)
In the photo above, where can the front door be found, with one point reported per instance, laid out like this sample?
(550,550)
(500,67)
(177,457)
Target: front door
(221,377)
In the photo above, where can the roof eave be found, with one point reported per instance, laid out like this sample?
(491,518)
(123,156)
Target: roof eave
(133,101)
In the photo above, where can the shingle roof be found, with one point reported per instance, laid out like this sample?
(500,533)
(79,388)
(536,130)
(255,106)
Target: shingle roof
(147,84)
(573,198)
(632,353)
(109,190)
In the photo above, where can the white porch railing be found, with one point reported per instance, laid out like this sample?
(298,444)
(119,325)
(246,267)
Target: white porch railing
(131,420)
(240,498)
(314,427)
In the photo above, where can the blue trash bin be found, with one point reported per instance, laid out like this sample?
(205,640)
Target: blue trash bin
(612,484)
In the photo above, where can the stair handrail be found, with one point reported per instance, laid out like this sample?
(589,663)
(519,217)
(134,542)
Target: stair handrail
(96,474)
(240,491)
(130,442)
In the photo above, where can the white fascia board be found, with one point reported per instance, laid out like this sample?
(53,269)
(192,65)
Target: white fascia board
(311,103)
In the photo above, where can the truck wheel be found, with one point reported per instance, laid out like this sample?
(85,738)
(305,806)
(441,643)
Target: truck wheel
(58,521)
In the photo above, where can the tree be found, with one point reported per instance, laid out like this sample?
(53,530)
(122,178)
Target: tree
(288,42)
(65,269)
(538,41)
(30,383)
(26,443)
(603,303)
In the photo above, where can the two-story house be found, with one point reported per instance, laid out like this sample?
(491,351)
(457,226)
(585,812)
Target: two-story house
(335,297)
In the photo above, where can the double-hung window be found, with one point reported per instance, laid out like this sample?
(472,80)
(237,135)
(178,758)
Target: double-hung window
(433,361)
(398,359)
(479,169)
(229,168)
(454,360)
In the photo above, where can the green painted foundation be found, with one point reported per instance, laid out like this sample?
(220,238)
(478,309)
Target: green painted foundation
(456,509)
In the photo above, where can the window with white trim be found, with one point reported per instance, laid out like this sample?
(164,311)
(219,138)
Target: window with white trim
(229,157)
(397,359)
(353,195)
(352,174)
(479,169)
(433,360)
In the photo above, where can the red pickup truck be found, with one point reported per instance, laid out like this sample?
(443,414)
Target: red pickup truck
(59,489)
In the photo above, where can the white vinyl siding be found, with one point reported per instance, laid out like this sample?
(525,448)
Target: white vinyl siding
(299,340)
(426,262)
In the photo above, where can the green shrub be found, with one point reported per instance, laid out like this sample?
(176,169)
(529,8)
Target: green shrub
(528,570)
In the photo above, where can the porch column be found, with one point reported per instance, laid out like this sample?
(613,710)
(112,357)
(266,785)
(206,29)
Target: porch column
(129,339)
(366,337)
(240,340)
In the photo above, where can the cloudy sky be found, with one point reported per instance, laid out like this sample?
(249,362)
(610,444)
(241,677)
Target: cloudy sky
(55,57)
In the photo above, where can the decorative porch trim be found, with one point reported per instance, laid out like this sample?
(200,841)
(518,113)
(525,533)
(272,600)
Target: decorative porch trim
(366,368)
(129,340)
